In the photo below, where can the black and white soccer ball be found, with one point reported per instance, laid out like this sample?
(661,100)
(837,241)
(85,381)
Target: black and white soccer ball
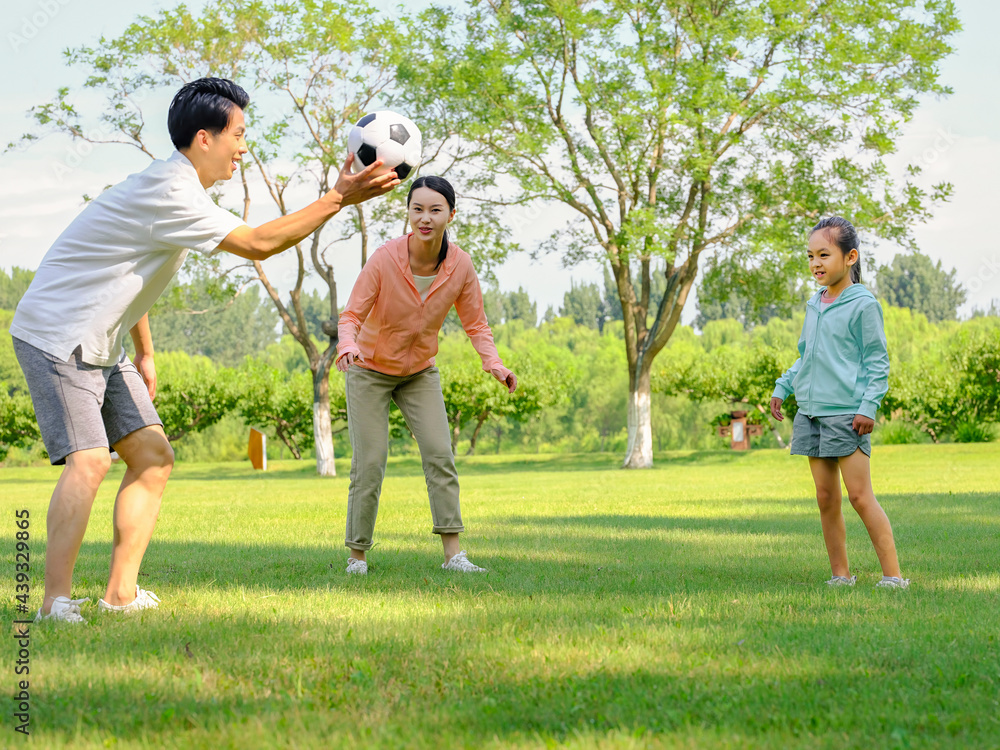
(387,136)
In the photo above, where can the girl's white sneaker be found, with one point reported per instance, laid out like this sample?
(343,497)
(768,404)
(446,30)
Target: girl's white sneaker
(842,581)
(892,582)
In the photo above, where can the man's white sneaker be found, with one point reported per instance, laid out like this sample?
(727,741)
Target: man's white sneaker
(463,564)
(356,567)
(143,600)
(842,581)
(63,609)
(892,582)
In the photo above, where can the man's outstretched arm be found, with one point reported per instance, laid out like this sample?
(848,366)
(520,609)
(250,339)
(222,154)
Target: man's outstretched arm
(260,243)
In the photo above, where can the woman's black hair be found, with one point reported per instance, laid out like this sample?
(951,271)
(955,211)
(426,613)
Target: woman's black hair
(438,185)
(204,104)
(843,234)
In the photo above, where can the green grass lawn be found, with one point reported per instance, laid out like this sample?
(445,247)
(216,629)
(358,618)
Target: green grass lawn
(682,607)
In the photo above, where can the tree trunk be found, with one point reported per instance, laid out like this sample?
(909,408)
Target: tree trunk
(322,424)
(639,454)
(475,433)
(455,429)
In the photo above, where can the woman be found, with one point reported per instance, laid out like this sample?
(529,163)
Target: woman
(388,339)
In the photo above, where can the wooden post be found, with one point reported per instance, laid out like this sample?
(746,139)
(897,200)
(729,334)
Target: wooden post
(739,437)
(258,449)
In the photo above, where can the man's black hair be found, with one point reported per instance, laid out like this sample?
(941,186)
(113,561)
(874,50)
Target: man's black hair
(205,104)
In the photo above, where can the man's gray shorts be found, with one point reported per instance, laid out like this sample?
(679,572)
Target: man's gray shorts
(827,437)
(80,406)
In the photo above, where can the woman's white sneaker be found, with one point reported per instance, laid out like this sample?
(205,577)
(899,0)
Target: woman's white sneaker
(63,609)
(143,600)
(356,567)
(463,564)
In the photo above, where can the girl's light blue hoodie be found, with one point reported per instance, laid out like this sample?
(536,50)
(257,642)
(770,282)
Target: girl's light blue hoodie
(843,364)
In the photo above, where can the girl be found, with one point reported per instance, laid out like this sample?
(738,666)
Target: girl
(839,381)
(388,339)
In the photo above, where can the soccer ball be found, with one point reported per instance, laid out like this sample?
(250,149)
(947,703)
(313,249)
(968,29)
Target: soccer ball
(387,136)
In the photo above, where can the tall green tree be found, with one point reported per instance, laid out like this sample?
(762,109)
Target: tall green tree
(675,130)
(584,305)
(914,281)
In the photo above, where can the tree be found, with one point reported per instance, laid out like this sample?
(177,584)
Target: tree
(913,280)
(473,396)
(953,384)
(192,393)
(583,305)
(201,316)
(13,286)
(753,296)
(502,307)
(278,402)
(739,373)
(674,130)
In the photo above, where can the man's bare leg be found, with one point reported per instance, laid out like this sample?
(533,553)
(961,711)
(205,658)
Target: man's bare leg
(69,513)
(149,459)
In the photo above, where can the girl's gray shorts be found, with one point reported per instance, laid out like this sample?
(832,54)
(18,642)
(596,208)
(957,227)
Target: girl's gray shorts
(80,406)
(827,437)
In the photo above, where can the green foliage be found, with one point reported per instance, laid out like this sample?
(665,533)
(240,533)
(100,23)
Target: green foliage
(203,316)
(474,396)
(281,404)
(584,305)
(897,432)
(731,366)
(974,432)
(13,286)
(18,427)
(192,393)
(954,382)
(913,281)
(775,288)
(502,307)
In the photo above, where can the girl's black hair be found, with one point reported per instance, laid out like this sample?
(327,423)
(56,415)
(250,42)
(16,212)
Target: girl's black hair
(204,104)
(438,185)
(843,234)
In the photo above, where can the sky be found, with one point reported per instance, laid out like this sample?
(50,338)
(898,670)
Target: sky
(954,139)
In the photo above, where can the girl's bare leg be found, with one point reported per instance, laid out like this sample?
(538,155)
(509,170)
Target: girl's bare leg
(857,476)
(827,478)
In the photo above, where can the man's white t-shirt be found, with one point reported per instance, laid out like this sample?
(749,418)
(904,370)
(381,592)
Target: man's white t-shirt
(110,265)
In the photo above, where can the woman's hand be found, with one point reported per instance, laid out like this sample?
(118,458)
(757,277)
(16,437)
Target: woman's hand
(776,409)
(863,425)
(510,380)
(345,362)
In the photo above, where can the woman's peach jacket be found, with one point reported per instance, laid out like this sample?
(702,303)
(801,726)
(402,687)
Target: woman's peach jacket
(391,330)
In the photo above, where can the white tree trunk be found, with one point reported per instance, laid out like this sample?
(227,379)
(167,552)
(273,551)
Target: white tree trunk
(322,426)
(639,454)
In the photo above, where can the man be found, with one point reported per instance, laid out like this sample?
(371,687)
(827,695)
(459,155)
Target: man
(96,283)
